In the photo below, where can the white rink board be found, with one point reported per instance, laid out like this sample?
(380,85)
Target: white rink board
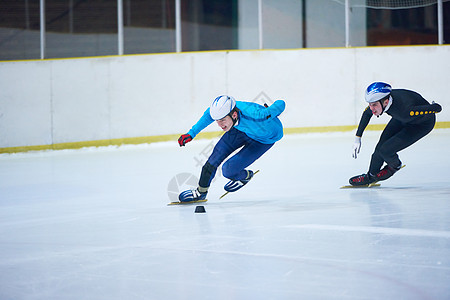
(75,100)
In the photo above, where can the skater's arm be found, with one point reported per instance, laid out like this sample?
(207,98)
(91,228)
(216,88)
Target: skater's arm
(275,109)
(202,123)
(365,118)
(420,110)
(258,112)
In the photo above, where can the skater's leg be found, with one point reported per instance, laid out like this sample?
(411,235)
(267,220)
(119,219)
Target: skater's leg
(403,139)
(234,168)
(228,143)
(377,160)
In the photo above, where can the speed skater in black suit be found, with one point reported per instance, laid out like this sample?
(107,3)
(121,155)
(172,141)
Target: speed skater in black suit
(413,117)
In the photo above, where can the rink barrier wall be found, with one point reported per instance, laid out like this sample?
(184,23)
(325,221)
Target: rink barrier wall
(202,135)
(114,100)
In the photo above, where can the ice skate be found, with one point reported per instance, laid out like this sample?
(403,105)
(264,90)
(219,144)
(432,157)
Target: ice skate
(362,180)
(368,180)
(192,195)
(234,185)
(386,172)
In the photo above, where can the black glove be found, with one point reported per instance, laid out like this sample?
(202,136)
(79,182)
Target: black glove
(266,106)
(184,138)
(436,107)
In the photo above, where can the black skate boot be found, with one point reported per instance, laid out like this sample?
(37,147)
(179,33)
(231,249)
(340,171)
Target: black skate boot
(363,179)
(386,172)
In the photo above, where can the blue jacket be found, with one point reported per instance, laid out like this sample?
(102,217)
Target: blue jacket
(258,122)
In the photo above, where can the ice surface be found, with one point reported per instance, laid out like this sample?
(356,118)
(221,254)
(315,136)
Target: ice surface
(94,224)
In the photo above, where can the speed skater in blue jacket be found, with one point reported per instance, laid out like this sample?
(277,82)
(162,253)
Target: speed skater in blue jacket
(249,125)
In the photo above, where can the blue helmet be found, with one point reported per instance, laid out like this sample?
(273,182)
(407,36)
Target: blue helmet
(377,91)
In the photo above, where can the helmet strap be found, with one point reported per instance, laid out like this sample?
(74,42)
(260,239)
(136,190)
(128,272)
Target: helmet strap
(383,107)
(231,116)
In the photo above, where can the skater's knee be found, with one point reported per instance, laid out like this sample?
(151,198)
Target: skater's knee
(208,170)
(389,156)
(228,170)
(385,152)
(209,167)
(208,173)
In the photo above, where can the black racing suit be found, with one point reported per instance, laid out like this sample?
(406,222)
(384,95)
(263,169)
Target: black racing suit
(413,117)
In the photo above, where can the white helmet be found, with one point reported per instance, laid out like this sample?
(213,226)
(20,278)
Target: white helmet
(377,91)
(221,107)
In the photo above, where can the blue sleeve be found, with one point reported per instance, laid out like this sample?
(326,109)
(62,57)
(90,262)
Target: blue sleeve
(276,108)
(204,122)
(259,112)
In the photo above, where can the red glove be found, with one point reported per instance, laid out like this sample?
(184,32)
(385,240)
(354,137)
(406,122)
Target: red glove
(184,138)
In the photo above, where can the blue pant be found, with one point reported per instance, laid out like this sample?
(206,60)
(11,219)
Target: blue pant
(234,168)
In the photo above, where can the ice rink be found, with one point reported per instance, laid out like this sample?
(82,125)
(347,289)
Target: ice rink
(94,224)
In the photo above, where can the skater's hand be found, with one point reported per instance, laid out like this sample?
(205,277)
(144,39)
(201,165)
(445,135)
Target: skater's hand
(184,138)
(356,147)
(436,107)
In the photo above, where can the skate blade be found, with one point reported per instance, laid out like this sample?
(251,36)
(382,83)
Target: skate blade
(226,193)
(186,202)
(360,186)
